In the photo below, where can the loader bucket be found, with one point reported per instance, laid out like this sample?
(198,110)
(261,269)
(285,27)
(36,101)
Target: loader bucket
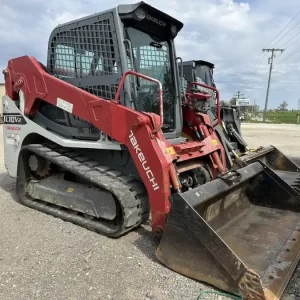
(278,162)
(239,233)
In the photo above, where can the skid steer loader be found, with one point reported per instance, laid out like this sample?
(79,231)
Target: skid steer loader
(229,130)
(98,137)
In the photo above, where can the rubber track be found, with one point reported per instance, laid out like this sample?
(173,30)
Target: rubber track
(129,192)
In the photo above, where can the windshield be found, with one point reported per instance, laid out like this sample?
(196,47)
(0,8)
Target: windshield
(205,74)
(152,58)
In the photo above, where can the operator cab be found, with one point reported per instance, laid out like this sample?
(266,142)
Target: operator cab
(150,51)
(200,71)
(94,52)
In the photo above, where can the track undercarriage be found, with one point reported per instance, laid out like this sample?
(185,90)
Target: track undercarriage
(65,184)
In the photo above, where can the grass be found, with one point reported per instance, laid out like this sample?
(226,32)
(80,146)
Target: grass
(286,117)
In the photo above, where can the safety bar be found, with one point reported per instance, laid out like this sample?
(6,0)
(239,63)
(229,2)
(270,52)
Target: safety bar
(128,42)
(217,94)
(180,72)
(161,109)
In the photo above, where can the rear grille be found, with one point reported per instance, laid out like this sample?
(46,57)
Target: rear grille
(104,91)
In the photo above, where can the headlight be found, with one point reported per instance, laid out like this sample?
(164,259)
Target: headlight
(173,30)
(140,13)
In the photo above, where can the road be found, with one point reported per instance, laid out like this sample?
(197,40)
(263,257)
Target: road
(42,257)
(286,137)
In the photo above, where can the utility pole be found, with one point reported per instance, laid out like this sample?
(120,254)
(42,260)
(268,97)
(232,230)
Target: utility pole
(238,94)
(270,73)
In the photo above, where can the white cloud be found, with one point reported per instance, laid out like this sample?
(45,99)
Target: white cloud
(231,34)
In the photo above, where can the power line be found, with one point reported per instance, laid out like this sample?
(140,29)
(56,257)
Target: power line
(289,41)
(263,53)
(256,65)
(284,27)
(288,32)
(263,78)
(289,57)
(252,71)
(283,58)
(252,74)
(289,54)
(257,76)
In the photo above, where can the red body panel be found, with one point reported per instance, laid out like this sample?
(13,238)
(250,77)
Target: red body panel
(149,149)
(201,123)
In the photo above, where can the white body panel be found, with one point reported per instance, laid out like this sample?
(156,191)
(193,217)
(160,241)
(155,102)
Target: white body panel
(15,131)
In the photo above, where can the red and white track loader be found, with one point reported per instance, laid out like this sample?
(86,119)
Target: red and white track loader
(98,137)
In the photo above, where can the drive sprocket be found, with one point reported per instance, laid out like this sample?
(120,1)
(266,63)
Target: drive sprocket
(40,167)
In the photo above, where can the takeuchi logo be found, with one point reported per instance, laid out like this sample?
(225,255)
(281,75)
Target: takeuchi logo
(156,21)
(143,161)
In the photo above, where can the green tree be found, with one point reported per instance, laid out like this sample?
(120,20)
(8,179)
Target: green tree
(283,106)
(232,101)
(224,103)
(255,108)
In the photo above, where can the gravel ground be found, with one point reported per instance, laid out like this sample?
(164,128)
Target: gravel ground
(42,257)
(286,137)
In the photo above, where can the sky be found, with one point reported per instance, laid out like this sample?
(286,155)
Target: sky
(231,34)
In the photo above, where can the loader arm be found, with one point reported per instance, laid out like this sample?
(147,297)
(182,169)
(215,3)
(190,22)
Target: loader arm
(148,151)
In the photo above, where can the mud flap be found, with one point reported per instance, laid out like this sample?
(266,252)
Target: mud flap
(239,233)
